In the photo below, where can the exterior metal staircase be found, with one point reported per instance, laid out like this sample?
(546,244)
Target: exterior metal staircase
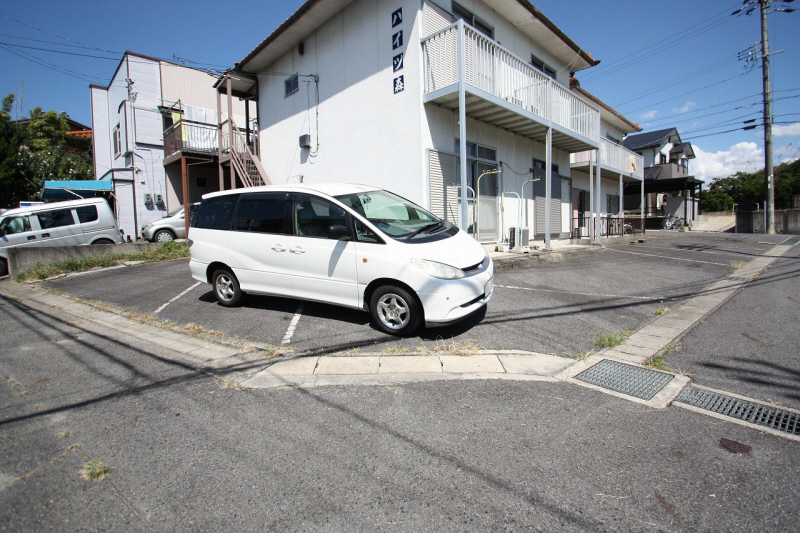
(247,165)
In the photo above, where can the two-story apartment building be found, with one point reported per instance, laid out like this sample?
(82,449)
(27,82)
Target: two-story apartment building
(155,135)
(670,190)
(464,107)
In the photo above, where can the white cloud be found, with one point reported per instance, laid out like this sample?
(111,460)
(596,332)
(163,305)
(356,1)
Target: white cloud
(786,131)
(743,156)
(649,114)
(686,108)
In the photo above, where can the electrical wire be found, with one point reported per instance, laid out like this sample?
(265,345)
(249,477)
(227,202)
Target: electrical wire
(41,62)
(639,55)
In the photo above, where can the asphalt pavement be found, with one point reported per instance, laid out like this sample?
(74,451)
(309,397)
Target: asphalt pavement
(190,451)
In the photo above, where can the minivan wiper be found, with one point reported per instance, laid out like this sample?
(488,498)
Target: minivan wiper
(423,228)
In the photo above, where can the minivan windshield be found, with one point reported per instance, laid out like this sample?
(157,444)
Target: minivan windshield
(392,214)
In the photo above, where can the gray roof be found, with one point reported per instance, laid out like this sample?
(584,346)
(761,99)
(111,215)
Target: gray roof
(649,139)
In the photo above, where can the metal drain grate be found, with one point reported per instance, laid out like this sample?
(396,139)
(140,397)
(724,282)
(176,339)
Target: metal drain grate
(734,278)
(791,241)
(631,380)
(755,413)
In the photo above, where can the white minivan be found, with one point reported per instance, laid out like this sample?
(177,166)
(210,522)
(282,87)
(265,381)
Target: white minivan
(344,244)
(69,223)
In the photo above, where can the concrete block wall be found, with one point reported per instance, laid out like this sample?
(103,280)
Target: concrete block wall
(21,259)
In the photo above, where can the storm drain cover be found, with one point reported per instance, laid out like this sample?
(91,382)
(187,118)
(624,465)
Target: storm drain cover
(755,413)
(734,278)
(791,241)
(632,380)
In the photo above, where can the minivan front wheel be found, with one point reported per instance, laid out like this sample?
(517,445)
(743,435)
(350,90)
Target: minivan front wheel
(226,288)
(395,311)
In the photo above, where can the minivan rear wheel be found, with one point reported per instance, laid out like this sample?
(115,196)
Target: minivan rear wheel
(226,288)
(395,311)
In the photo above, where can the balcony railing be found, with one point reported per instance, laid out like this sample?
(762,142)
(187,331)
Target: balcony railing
(494,70)
(190,136)
(614,156)
(607,226)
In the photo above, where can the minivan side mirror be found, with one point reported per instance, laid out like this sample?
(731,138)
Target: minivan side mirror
(338,232)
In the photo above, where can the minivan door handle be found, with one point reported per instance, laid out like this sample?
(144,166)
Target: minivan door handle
(297,250)
(279,248)
(45,235)
(31,237)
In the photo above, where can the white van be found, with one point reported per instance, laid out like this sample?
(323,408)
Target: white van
(69,223)
(343,244)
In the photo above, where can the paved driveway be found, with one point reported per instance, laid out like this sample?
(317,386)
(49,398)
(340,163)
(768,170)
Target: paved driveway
(551,308)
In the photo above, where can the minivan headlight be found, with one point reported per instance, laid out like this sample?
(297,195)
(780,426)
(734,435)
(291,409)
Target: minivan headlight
(438,270)
(148,225)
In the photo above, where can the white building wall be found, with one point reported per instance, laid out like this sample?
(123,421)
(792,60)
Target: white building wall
(365,133)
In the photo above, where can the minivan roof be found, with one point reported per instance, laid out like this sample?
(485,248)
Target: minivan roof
(330,189)
(52,205)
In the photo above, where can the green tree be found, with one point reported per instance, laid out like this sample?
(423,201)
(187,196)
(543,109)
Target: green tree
(35,152)
(746,189)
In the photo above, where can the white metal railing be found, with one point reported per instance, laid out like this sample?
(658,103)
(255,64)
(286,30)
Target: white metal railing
(493,69)
(614,156)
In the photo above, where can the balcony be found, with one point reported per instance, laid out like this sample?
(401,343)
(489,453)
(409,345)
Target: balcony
(505,90)
(615,161)
(189,137)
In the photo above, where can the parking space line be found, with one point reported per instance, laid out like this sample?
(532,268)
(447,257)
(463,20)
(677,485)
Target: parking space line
(293,325)
(596,294)
(669,257)
(178,296)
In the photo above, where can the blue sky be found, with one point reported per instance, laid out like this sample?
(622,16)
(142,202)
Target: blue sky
(662,64)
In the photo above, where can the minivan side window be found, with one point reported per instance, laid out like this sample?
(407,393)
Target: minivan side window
(262,213)
(216,213)
(56,218)
(86,213)
(312,217)
(12,225)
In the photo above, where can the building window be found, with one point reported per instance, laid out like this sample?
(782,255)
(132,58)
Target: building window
(612,204)
(291,86)
(540,65)
(480,159)
(472,20)
(117,142)
(662,159)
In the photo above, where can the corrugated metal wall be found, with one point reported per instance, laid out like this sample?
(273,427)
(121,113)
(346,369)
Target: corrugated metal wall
(444,185)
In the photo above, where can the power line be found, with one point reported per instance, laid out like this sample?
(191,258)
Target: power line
(58,51)
(56,35)
(681,79)
(673,118)
(643,53)
(686,93)
(34,59)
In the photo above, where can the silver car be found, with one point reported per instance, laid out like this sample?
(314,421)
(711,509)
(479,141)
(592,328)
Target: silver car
(169,228)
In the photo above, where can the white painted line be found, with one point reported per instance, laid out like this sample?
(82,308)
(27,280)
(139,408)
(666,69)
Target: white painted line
(581,293)
(293,325)
(73,274)
(178,296)
(668,257)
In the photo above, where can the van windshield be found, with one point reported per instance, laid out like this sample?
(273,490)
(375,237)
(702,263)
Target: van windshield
(392,214)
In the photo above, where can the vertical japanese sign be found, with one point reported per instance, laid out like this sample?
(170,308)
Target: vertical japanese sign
(398,84)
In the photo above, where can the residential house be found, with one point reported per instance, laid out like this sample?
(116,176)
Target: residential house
(156,135)
(463,107)
(669,188)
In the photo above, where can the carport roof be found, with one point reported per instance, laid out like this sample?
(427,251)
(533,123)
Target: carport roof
(69,190)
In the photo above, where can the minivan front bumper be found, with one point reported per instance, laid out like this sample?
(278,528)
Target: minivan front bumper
(456,299)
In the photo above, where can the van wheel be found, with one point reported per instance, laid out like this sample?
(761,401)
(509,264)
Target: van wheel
(103,241)
(395,311)
(163,235)
(3,267)
(226,288)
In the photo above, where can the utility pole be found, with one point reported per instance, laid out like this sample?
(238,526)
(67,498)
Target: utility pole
(769,177)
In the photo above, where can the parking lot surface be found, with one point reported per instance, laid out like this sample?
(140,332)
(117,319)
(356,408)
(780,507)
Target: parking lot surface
(555,308)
